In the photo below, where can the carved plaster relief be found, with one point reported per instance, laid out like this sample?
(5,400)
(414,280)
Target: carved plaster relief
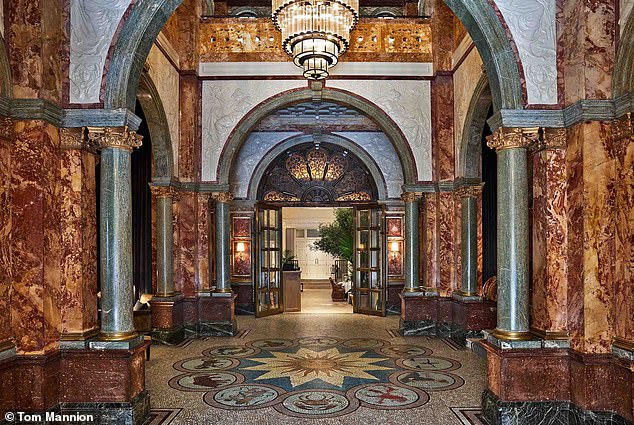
(532,24)
(379,147)
(225,103)
(465,80)
(251,153)
(408,104)
(92,26)
(2,18)
(625,10)
(166,81)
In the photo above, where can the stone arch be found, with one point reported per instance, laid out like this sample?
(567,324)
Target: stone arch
(131,49)
(475,120)
(494,46)
(253,117)
(6,84)
(623,77)
(162,152)
(279,149)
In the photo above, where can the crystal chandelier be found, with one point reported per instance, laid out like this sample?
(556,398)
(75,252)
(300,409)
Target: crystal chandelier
(315,32)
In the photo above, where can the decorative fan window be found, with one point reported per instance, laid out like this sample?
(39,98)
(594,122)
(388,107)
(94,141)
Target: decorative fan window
(317,174)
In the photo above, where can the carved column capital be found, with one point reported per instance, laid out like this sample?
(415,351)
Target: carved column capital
(162,191)
(114,137)
(411,196)
(222,197)
(622,127)
(508,138)
(472,191)
(6,128)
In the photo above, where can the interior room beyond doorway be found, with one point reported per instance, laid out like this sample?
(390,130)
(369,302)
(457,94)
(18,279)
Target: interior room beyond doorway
(300,226)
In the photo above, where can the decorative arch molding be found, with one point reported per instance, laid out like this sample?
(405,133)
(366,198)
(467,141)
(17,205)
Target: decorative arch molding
(131,49)
(251,119)
(470,153)
(489,36)
(162,152)
(290,143)
(623,77)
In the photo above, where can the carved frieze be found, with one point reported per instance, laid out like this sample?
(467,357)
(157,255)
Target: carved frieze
(508,138)
(411,196)
(471,191)
(114,137)
(162,191)
(223,197)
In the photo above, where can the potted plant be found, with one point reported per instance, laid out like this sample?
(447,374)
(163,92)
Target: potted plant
(289,263)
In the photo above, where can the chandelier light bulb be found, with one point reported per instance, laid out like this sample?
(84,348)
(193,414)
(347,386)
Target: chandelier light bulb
(315,32)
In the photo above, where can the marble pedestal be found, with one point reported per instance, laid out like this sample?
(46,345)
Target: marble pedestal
(216,315)
(167,319)
(537,384)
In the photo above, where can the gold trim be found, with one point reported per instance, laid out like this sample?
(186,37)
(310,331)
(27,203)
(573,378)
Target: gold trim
(118,336)
(508,138)
(416,289)
(411,196)
(512,335)
(550,335)
(114,137)
(6,345)
(222,291)
(469,191)
(161,191)
(222,196)
(467,294)
(79,336)
(166,294)
(623,344)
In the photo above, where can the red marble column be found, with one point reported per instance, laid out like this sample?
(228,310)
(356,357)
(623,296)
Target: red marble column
(550,237)
(79,238)
(591,246)
(185,249)
(623,147)
(6,140)
(446,240)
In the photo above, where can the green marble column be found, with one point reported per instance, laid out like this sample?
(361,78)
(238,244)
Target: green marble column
(163,197)
(469,240)
(223,266)
(512,232)
(115,233)
(411,260)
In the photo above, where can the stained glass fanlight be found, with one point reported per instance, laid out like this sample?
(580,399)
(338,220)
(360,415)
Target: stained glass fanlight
(315,32)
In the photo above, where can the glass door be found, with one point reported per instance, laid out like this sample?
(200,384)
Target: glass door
(369,282)
(268,285)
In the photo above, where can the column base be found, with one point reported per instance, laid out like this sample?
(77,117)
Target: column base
(216,328)
(498,412)
(167,319)
(168,337)
(134,412)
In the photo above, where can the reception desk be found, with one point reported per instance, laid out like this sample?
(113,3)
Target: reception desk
(292,291)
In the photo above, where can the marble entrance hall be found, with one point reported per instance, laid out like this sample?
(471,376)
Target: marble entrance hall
(316,369)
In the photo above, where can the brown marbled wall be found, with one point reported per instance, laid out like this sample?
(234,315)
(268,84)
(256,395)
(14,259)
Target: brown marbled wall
(189,149)
(443,127)
(6,140)
(587,47)
(429,235)
(591,246)
(202,243)
(36,244)
(624,273)
(446,243)
(34,35)
(550,241)
(79,241)
(188,24)
(185,245)
(443,35)
(457,244)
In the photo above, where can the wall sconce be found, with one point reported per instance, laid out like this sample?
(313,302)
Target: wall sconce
(240,247)
(394,249)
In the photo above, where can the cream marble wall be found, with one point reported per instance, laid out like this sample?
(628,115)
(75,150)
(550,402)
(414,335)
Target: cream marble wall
(166,80)
(465,80)
(2,18)
(625,10)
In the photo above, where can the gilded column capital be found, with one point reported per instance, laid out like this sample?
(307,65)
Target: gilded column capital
(411,196)
(6,128)
(622,127)
(114,137)
(222,197)
(508,138)
(551,138)
(471,191)
(162,191)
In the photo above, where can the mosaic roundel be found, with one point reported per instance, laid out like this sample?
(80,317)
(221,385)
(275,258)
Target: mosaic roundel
(316,377)
(431,381)
(201,364)
(428,363)
(205,381)
(243,396)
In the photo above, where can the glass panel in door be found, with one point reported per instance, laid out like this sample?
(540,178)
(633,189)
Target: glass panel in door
(369,282)
(268,285)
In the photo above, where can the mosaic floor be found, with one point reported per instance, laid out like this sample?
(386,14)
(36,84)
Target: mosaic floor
(327,369)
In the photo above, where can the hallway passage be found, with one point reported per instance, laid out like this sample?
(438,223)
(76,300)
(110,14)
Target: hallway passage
(323,369)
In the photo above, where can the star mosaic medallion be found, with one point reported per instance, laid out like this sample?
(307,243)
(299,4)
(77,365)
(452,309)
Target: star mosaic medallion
(316,376)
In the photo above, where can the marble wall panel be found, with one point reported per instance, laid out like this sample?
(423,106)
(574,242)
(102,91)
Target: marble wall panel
(224,104)
(443,127)
(550,241)
(457,245)
(189,148)
(446,243)
(6,140)
(624,274)
(429,234)
(34,34)
(36,244)
(166,80)
(185,245)
(465,80)
(202,243)
(443,36)
(188,24)
(625,8)
(591,246)
(79,242)
(479,231)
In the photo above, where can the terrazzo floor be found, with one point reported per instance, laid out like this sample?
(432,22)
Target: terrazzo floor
(315,369)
